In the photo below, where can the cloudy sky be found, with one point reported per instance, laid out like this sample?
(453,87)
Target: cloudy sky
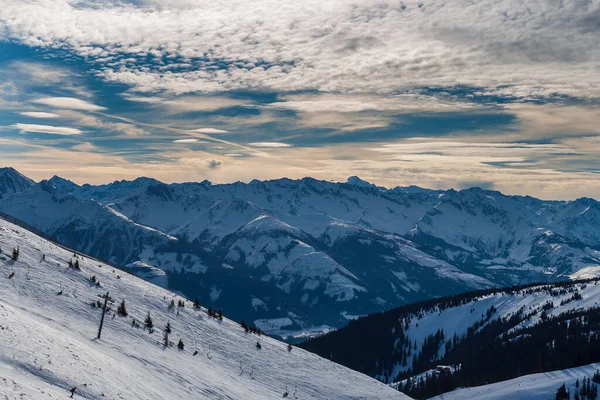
(500,94)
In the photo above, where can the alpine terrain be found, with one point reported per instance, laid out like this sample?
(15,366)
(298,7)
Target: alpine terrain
(154,343)
(302,256)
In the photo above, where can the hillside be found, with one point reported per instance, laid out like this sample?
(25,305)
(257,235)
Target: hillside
(299,256)
(48,343)
(541,386)
(477,337)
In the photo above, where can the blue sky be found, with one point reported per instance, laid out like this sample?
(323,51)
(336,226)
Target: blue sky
(441,94)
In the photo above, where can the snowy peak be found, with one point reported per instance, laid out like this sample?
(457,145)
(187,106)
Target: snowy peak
(356,181)
(11,182)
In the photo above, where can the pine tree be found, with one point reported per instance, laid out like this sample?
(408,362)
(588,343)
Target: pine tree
(180,345)
(561,393)
(148,321)
(168,327)
(122,310)
(76,265)
(172,304)
(166,338)
(220,315)
(196,303)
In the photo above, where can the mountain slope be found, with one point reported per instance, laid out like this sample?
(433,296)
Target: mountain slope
(300,254)
(541,386)
(48,340)
(484,336)
(11,182)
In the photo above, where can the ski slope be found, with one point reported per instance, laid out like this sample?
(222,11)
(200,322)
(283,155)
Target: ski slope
(529,387)
(48,341)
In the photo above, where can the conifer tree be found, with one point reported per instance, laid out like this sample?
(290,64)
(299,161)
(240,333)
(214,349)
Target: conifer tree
(561,393)
(168,327)
(180,345)
(122,310)
(149,323)
(196,303)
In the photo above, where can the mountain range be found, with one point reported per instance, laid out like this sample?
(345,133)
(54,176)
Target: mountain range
(302,256)
(49,321)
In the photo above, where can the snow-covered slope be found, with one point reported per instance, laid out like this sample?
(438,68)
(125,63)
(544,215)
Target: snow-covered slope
(48,340)
(529,387)
(309,251)
(11,182)
(492,335)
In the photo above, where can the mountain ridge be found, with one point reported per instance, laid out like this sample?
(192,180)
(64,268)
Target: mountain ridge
(240,243)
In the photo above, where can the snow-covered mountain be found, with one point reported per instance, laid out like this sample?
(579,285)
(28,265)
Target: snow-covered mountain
(49,323)
(11,182)
(297,254)
(475,338)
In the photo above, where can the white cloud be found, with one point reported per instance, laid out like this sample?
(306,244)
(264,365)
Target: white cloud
(39,114)
(353,103)
(69,103)
(504,46)
(210,130)
(186,141)
(269,144)
(53,130)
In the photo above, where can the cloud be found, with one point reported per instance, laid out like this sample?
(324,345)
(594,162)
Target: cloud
(92,121)
(369,47)
(39,114)
(69,103)
(186,141)
(353,103)
(210,163)
(210,130)
(269,144)
(53,130)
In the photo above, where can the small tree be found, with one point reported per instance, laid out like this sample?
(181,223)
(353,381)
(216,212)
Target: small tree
(15,253)
(180,345)
(220,315)
(196,303)
(149,323)
(168,327)
(166,339)
(76,265)
(172,303)
(122,310)
(561,393)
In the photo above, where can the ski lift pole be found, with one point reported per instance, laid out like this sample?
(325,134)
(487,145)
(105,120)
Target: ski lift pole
(103,313)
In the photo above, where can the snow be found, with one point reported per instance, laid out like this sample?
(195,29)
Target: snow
(48,342)
(458,319)
(531,387)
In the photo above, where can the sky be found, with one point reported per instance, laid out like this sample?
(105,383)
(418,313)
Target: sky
(500,94)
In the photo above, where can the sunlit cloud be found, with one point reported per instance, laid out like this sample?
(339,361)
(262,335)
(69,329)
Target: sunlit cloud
(210,130)
(39,114)
(68,103)
(269,144)
(186,141)
(52,130)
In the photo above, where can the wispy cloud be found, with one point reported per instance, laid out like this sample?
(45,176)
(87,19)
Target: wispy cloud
(69,103)
(39,114)
(269,144)
(210,130)
(53,130)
